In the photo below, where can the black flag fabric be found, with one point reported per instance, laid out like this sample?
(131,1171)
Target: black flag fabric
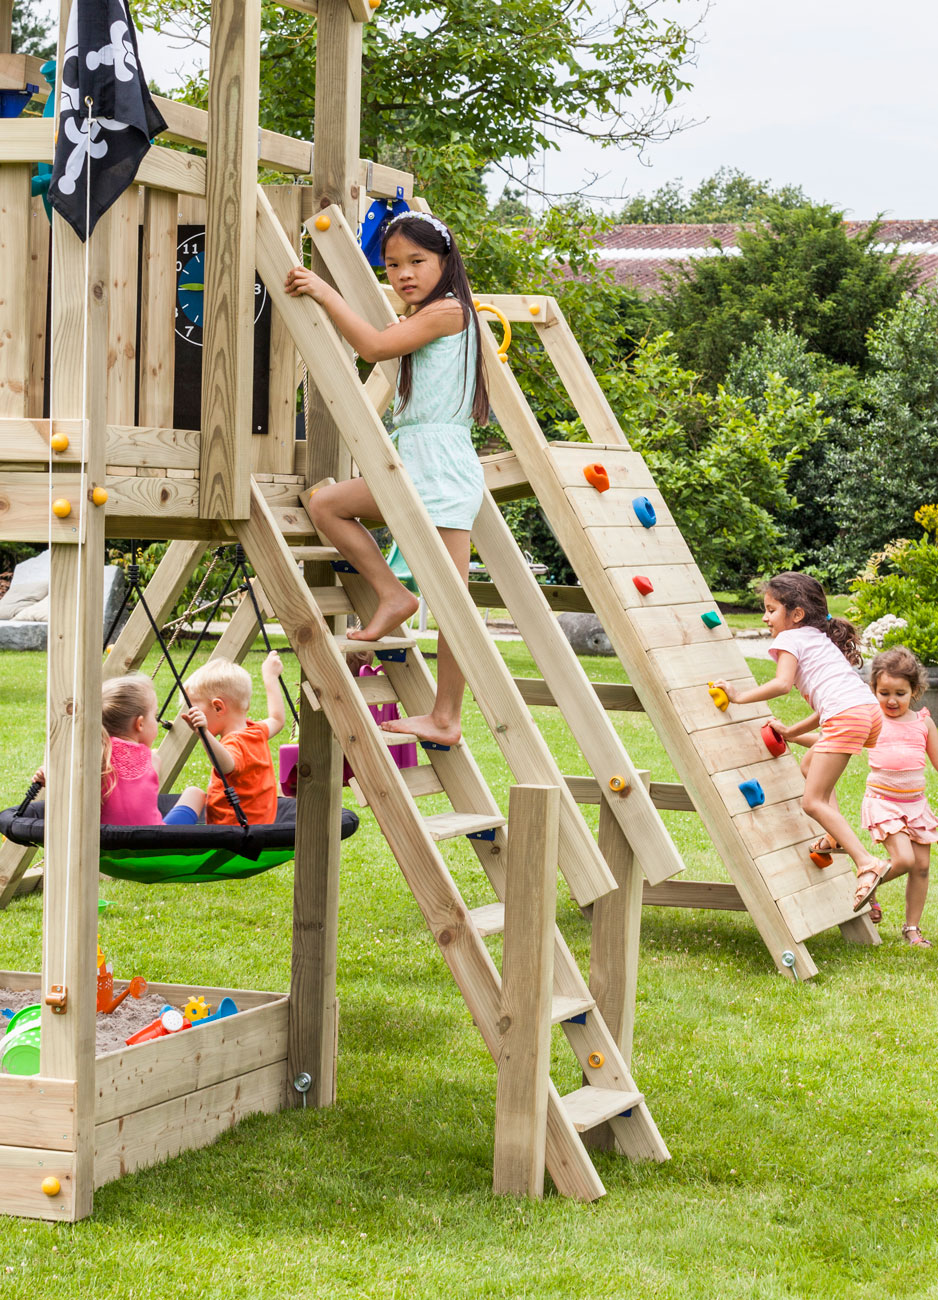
(101,66)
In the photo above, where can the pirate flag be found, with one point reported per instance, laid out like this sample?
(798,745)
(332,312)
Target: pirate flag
(105,111)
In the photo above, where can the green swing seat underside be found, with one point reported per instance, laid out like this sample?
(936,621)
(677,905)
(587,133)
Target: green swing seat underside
(181,854)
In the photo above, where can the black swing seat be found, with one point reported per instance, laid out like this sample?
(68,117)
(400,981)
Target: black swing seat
(186,854)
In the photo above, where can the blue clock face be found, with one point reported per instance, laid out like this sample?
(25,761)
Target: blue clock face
(190,289)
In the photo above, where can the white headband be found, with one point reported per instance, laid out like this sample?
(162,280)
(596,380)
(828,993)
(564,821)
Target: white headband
(435,222)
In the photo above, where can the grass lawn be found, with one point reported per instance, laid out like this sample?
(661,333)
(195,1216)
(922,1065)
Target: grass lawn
(800,1117)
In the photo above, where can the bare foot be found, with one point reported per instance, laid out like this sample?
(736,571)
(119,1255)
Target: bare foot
(389,615)
(425,727)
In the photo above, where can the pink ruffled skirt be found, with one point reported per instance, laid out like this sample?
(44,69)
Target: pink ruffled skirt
(894,803)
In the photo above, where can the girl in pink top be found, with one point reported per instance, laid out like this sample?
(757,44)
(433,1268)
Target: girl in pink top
(814,652)
(895,810)
(130,771)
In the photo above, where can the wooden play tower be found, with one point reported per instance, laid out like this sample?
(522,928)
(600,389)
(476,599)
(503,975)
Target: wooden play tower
(109,447)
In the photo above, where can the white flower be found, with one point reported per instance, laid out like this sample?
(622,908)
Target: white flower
(871,640)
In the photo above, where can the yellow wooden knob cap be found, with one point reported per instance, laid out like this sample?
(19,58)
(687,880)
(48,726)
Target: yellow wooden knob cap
(61,508)
(322,222)
(535,309)
(59,442)
(51,1186)
(595,1060)
(373,4)
(617,783)
(99,495)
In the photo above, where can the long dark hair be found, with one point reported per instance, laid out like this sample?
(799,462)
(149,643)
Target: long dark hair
(798,591)
(453,280)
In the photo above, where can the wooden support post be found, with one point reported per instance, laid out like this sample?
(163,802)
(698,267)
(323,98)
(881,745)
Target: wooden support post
(14,289)
(6,26)
(228,335)
(313,1006)
(527,990)
(73,768)
(617,925)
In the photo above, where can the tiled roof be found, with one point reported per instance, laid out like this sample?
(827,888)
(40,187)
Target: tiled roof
(640,254)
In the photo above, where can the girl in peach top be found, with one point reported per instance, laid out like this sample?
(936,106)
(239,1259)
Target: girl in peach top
(895,810)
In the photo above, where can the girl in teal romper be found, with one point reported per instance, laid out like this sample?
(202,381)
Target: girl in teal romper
(441,390)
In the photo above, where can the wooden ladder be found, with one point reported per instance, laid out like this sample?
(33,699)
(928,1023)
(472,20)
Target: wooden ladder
(611,1095)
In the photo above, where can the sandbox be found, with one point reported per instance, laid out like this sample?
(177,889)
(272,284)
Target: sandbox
(151,1101)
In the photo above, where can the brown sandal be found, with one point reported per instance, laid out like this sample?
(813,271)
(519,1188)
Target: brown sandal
(877,871)
(914,937)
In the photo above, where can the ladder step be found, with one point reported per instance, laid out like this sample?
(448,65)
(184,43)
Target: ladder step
(332,600)
(377,689)
(489,919)
(348,645)
(588,1107)
(565,1008)
(450,825)
(397,737)
(323,554)
(421,780)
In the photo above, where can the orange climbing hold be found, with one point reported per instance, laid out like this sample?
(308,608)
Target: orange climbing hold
(597,477)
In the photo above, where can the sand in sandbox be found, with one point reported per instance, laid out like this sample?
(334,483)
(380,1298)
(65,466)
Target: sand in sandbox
(112,1029)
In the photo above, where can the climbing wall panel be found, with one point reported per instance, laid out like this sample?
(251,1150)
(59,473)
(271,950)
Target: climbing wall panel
(673,642)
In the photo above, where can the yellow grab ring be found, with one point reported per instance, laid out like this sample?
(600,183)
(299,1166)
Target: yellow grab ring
(506,337)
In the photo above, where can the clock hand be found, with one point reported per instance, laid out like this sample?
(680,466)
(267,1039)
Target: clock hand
(195,288)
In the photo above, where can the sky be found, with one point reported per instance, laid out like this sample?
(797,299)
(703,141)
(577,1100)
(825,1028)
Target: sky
(839,98)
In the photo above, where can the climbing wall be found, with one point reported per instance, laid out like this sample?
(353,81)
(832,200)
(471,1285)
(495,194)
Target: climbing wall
(668,634)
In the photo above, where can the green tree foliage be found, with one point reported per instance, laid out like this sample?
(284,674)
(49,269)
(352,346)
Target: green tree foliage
(504,76)
(32,32)
(902,580)
(811,522)
(727,195)
(722,466)
(802,270)
(889,465)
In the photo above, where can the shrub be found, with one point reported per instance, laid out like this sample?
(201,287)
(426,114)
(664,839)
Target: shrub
(902,580)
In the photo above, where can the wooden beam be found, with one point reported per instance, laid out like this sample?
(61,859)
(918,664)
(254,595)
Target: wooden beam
(40,238)
(6,25)
(14,289)
(313,1004)
(189,125)
(614,945)
(73,767)
(561,599)
(228,330)
(273,452)
(713,894)
(527,991)
(381,182)
(504,477)
(611,695)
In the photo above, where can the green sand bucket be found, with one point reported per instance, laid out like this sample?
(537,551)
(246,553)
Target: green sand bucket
(19,1048)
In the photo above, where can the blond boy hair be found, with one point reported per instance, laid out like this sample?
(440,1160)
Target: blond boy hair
(220,677)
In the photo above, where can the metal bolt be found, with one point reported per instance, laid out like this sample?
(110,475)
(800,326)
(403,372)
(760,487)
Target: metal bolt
(788,960)
(302,1083)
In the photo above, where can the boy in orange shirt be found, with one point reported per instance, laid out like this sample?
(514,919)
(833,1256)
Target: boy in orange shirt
(220,692)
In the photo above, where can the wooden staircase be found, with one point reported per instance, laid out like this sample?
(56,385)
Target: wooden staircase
(611,1095)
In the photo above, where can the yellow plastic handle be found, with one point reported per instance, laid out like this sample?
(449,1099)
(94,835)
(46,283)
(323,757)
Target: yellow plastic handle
(506,325)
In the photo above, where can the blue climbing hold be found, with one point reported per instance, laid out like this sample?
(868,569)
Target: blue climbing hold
(645,512)
(752,792)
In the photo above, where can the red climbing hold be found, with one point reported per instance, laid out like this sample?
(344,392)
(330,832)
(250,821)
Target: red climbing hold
(643,584)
